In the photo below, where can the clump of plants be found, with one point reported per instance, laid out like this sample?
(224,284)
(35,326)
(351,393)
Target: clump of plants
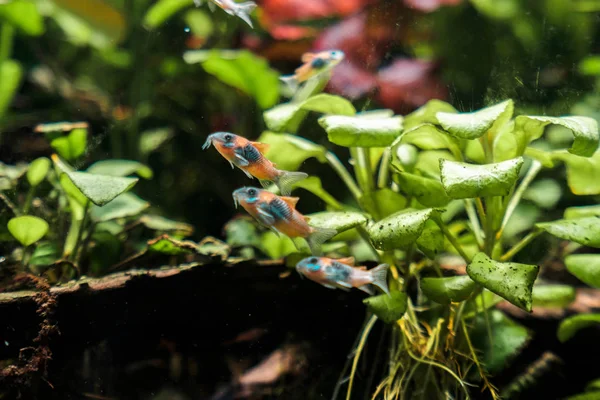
(63,223)
(426,188)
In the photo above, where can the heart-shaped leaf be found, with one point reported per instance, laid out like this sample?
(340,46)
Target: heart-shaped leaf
(585,131)
(361,132)
(581,230)
(388,308)
(570,326)
(101,189)
(37,171)
(462,180)
(430,137)
(583,174)
(328,104)
(123,206)
(474,124)
(120,168)
(27,229)
(400,229)
(513,281)
(427,191)
(290,151)
(586,267)
(558,296)
(163,224)
(446,290)
(71,146)
(426,114)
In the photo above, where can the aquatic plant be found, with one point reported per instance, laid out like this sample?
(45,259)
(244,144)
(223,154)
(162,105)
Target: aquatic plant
(427,184)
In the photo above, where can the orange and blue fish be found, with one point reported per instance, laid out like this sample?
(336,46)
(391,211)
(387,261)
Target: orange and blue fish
(240,10)
(342,274)
(313,65)
(279,214)
(248,156)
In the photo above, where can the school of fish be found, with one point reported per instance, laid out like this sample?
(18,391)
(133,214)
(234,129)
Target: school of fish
(278,212)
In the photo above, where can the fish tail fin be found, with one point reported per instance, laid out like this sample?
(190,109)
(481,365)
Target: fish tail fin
(286,179)
(243,11)
(368,289)
(318,237)
(290,81)
(379,276)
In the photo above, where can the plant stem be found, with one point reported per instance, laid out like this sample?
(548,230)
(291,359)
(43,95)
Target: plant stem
(73,255)
(384,169)
(536,166)
(343,173)
(362,168)
(365,235)
(472,214)
(28,199)
(481,211)
(490,237)
(452,240)
(7,32)
(359,349)
(520,245)
(9,204)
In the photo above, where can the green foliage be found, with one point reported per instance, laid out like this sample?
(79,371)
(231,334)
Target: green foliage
(571,325)
(584,230)
(162,10)
(120,168)
(27,229)
(513,281)
(388,308)
(401,229)
(71,146)
(446,290)
(24,15)
(37,171)
(558,296)
(361,132)
(586,267)
(11,74)
(476,124)
(289,151)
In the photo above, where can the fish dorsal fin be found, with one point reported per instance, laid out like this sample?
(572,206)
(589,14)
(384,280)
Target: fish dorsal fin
(308,57)
(347,260)
(262,147)
(290,201)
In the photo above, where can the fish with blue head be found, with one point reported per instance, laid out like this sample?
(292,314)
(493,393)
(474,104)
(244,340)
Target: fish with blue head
(249,157)
(279,214)
(342,274)
(313,64)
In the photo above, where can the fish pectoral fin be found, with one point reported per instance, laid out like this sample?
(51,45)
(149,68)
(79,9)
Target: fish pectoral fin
(262,147)
(212,6)
(241,160)
(264,183)
(347,260)
(248,174)
(328,286)
(344,284)
(265,217)
(308,57)
(232,164)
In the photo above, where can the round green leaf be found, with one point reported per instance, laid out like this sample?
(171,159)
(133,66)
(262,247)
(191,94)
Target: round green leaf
(37,171)
(120,168)
(586,267)
(45,253)
(583,174)
(290,151)
(569,326)
(430,137)
(400,229)
(446,290)
(27,229)
(585,231)
(389,308)
(462,180)
(329,104)
(361,132)
(123,206)
(513,281)
(545,193)
(23,14)
(427,191)
(162,10)
(338,220)
(11,74)
(200,23)
(474,124)
(558,296)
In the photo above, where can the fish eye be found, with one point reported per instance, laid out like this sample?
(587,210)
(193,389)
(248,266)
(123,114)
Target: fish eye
(228,137)
(313,260)
(252,192)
